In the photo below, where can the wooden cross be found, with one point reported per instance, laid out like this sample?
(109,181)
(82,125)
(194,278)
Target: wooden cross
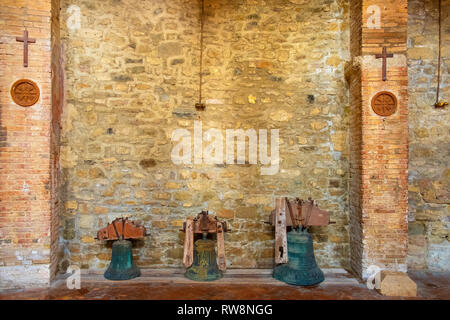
(384,56)
(25,41)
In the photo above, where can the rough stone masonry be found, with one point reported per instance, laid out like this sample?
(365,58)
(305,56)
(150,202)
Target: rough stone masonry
(429,172)
(132,78)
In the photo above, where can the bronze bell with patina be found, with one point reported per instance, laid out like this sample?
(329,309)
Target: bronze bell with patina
(294,252)
(200,258)
(121,231)
(301,269)
(204,267)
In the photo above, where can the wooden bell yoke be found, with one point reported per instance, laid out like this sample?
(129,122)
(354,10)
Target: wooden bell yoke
(204,224)
(300,213)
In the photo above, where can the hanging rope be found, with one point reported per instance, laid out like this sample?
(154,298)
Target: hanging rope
(438,103)
(200,105)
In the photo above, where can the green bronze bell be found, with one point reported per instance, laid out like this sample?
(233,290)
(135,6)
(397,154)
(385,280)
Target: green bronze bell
(204,267)
(122,266)
(301,269)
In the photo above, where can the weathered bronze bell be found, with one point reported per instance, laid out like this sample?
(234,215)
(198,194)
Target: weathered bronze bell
(204,267)
(301,269)
(122,266)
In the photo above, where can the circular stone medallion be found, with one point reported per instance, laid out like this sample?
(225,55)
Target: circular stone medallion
(384,103)
(25,92)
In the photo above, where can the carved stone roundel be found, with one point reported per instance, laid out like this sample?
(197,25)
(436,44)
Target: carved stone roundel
(25,92)
(384,103)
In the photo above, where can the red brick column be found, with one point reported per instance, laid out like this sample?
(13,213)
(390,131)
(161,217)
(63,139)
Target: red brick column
(379,155)
(29,149)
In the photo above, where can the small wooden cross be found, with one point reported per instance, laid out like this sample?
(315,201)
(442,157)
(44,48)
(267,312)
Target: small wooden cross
(25,41)
(384,56)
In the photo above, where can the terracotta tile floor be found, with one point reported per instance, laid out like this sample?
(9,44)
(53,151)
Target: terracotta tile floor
(237,285)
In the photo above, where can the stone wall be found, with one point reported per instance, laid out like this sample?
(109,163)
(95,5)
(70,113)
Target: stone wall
(132,79)
(429,172)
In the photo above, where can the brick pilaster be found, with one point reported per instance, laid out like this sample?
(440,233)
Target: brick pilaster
(29,145)
(379,154)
